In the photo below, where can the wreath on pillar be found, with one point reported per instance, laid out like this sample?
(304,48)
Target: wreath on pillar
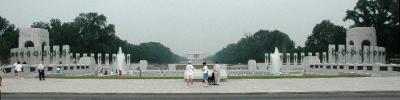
(28,54)
(360,52)
(369,52)
(353,52)
(375,52)
(36,53)
(22,54)
(64,53)
(344,52)
(44,53)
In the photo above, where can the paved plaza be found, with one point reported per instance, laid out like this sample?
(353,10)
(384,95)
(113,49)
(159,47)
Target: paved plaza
(360,84)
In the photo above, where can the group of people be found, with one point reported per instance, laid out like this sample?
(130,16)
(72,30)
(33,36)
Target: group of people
(215,75)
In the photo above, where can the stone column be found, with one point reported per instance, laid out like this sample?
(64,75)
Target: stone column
(143,65)
(252,64)
(324,57)
(383,55)
(341,54)
(360,54)
(128,59)
(266,59)
(353,54)
(99,57)
(29,55)
(71,58)
(55,55)
(65,54)
(331,53)
(46,55)
(302,58)
(77,57)
(12,56)
(36,55)
(106,59)
(367,54)
(22,53)
(319,58)
(287,58)
(114,59)
(295,59)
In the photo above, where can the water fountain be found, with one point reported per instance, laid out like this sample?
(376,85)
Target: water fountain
(120,68)
(276,63)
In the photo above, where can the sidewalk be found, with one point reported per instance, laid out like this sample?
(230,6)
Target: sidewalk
(361,84)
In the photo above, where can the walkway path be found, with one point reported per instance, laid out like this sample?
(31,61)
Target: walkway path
(178,86)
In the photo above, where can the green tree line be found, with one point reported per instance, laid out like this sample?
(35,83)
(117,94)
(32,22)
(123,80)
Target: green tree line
(90,33)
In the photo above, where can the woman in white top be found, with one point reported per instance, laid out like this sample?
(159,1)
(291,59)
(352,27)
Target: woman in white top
(18,68)
(189,74)
(205,74)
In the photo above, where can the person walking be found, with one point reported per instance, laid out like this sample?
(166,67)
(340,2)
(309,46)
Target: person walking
(216,71)
(41,71)
(1,74)
(205,74)
(189,74)
(18,68)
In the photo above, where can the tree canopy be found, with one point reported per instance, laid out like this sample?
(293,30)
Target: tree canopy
(8,38)
(323,34)
(90,33)
(254,46)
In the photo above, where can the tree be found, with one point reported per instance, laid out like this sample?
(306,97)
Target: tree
(89,32)
(381,14)
(323,34)
(254,46)
(8,38)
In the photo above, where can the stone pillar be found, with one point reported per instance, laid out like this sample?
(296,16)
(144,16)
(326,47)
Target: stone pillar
(281,57)
(46,55)
(12,56)
(143,65)
(77,57)
(252,64)
(360,54)
(114,59)
(374,54)
(367,54)
(341,54)
(29,55)
(55,55)
(71,58)
(99,57)
(302,58)
(128,59)
(353,54)
(106,59)
(324,57)
(295,59)
(287,58)
(319,58)
(331,53)
(383,55)
(266,59)
(36,55)
(65,54)
(22,54)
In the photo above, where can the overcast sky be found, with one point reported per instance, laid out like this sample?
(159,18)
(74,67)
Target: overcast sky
(183,25)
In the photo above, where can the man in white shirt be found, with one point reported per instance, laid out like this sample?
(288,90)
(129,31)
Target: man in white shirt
(216,70)
(189,74)
(41,71)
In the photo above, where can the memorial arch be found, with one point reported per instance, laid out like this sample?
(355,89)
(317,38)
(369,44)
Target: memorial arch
(33,37)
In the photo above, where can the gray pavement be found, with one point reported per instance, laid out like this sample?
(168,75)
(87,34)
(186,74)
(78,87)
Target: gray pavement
(174,86)
(271,96)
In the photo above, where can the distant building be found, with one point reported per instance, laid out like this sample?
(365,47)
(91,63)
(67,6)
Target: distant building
(196,57)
